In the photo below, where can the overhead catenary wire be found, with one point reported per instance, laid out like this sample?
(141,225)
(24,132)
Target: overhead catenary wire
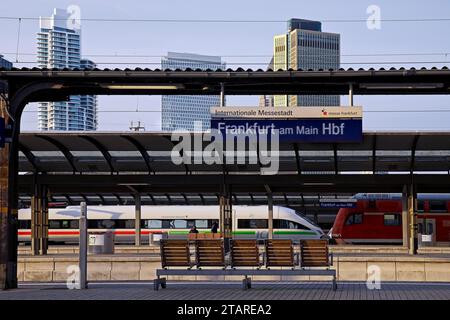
(356,20)
(385,54)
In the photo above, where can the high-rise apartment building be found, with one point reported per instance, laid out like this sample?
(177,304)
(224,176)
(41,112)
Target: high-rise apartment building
(5,64)
(59,46)
(306,47)
(180,112)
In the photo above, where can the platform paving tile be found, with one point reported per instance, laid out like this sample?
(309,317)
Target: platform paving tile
(231,291)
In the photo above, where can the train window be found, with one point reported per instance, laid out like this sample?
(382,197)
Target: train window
(420,206)
(430,229)
(210,223)
(420,228)
(74,224)
(286,224)
(180,224)
(54,224)
(24,224)
(153,224)
(124,224)
(294,225)
(190,224)
(203,224)
(392,219)
(280,224)
(101,224)
(252,223)
(129,224)
(438,206)
(355,218)
(65,224)
(166,224)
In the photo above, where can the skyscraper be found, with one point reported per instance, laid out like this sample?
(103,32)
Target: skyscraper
(180,112)
(58,45)
(88,103)
(5,64)
(306,47)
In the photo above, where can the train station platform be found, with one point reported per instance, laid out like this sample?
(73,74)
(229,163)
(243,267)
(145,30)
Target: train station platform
(231,291)
(131,263)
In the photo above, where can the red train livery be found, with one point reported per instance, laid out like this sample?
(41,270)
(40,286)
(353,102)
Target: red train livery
(380,222)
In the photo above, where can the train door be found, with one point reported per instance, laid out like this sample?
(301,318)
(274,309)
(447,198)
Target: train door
(427,227)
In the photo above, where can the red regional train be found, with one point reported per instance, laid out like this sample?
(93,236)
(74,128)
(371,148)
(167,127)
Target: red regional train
(379,221)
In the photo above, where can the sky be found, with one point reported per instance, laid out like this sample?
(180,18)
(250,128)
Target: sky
(410,44)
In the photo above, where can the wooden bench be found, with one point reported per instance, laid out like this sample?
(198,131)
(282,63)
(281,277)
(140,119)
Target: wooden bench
(279,253)
(174,253)
(243,255)
(209,253)
(314,253)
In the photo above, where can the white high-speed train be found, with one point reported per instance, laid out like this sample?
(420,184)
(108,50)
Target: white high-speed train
(248,222)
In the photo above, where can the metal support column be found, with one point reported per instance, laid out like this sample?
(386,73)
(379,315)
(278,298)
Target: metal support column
(44,220)
(137,226)
(270,205)
(226,218)
(83,246)
(350,94)
(405,218)
(9,162)
(222,95)
(411,219)
(35,211)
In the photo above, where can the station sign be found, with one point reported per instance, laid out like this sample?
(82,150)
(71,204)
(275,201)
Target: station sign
(338,203)
(2,132)
(294,124)
(286,112)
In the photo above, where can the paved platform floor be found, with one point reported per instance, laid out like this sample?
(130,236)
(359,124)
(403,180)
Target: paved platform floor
(230,291)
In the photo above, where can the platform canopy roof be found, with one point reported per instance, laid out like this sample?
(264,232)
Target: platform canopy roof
(58,84)
(108,163)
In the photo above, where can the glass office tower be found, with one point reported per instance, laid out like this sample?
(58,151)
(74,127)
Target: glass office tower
(180,112)
(306,47)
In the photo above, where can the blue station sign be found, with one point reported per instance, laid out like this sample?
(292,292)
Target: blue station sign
(338,203)
(295,130)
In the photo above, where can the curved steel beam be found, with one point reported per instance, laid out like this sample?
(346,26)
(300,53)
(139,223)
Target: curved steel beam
(102,149)
(142,151)
(186,200)
(61,147)
(152,197)
(30,157)
(119,199)
(102,199)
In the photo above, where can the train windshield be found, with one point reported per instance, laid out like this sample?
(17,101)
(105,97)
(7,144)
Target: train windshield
(303,216)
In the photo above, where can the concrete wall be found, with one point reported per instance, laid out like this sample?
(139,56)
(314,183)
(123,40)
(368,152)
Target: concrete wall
(116,267)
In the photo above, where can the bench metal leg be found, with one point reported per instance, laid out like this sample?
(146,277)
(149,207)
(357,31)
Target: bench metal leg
(246,283)
(334,283)
(159,282)
(162,281)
